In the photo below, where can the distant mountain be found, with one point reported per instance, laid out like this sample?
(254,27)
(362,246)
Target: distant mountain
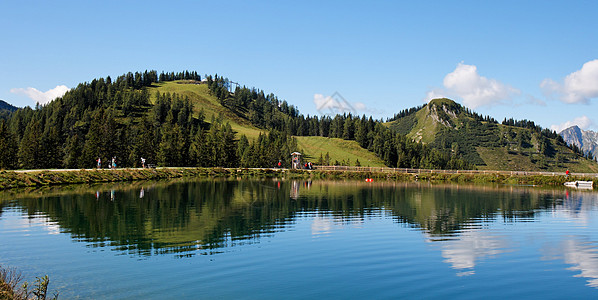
(586,140)
(511,145)
(7,106)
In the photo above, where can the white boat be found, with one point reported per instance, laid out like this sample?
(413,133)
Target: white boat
(580,184)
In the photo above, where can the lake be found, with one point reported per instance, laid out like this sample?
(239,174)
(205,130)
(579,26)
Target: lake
(285,239)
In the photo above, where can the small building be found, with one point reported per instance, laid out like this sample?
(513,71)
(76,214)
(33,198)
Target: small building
(296,160)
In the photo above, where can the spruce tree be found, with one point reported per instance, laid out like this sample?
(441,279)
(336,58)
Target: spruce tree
(30,147)
(73,152)
(52,150)
(8,148)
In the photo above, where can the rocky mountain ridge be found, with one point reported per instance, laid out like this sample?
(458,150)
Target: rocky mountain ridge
(586,140)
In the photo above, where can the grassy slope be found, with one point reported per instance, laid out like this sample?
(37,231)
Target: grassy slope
(501,159)
(505,158)
(312,146)
(426,130)
(202,99)
(338,149)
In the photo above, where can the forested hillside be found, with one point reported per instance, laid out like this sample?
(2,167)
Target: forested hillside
(511,145)
(129,118)
(7,106)
(268,112)
(5,109)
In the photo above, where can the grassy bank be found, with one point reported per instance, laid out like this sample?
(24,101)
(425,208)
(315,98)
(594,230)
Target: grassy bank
(12,179)
(519,179)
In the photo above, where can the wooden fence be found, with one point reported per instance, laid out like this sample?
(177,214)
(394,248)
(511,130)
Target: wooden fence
(424,171)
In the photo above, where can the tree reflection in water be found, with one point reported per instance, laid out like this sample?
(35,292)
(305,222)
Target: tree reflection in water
(207,216)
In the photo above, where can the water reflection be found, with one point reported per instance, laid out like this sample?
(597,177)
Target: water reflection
(321,226)
(471,246)
(212,216)
(577,206)
(580,251)
(211,210)
(583,255)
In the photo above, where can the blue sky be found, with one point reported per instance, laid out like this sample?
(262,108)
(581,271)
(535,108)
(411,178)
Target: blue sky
(535,60)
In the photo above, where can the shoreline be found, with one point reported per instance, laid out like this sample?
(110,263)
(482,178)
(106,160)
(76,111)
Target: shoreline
(39,178)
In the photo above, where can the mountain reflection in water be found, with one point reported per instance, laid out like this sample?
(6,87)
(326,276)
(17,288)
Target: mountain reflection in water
(205,217)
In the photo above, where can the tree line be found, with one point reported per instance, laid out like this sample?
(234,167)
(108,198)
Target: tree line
(105,118)
(108,118)
(268,112)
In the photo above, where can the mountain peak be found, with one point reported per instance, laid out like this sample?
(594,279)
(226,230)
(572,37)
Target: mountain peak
(574,128)
(573,136)
(444,102)
(444,111)
(586,140)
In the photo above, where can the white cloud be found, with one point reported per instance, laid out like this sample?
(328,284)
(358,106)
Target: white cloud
(535,101)
(336,104)
(42,97)
(360,106)
(578,87)
(475,90)
(582,122)
(324,102)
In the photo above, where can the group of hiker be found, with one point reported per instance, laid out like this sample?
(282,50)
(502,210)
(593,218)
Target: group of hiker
(307,165)
(111,164)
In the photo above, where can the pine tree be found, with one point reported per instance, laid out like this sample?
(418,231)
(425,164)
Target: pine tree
(320,160)
(50,143)
(361,134)
(30,147)
(229,147)
(170,150)
(348,129)
(101,139)
(73,152)
(243,151)
(143,143)
(8,148)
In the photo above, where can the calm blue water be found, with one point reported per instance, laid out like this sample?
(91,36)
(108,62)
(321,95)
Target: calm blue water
(289,239)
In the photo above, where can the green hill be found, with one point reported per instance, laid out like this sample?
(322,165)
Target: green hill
(178,119)
(7,106)
(202,100)
(339,150)
(513,145)
(5,109)
(312,146)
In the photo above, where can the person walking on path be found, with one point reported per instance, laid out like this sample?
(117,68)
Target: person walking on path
(99,160)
